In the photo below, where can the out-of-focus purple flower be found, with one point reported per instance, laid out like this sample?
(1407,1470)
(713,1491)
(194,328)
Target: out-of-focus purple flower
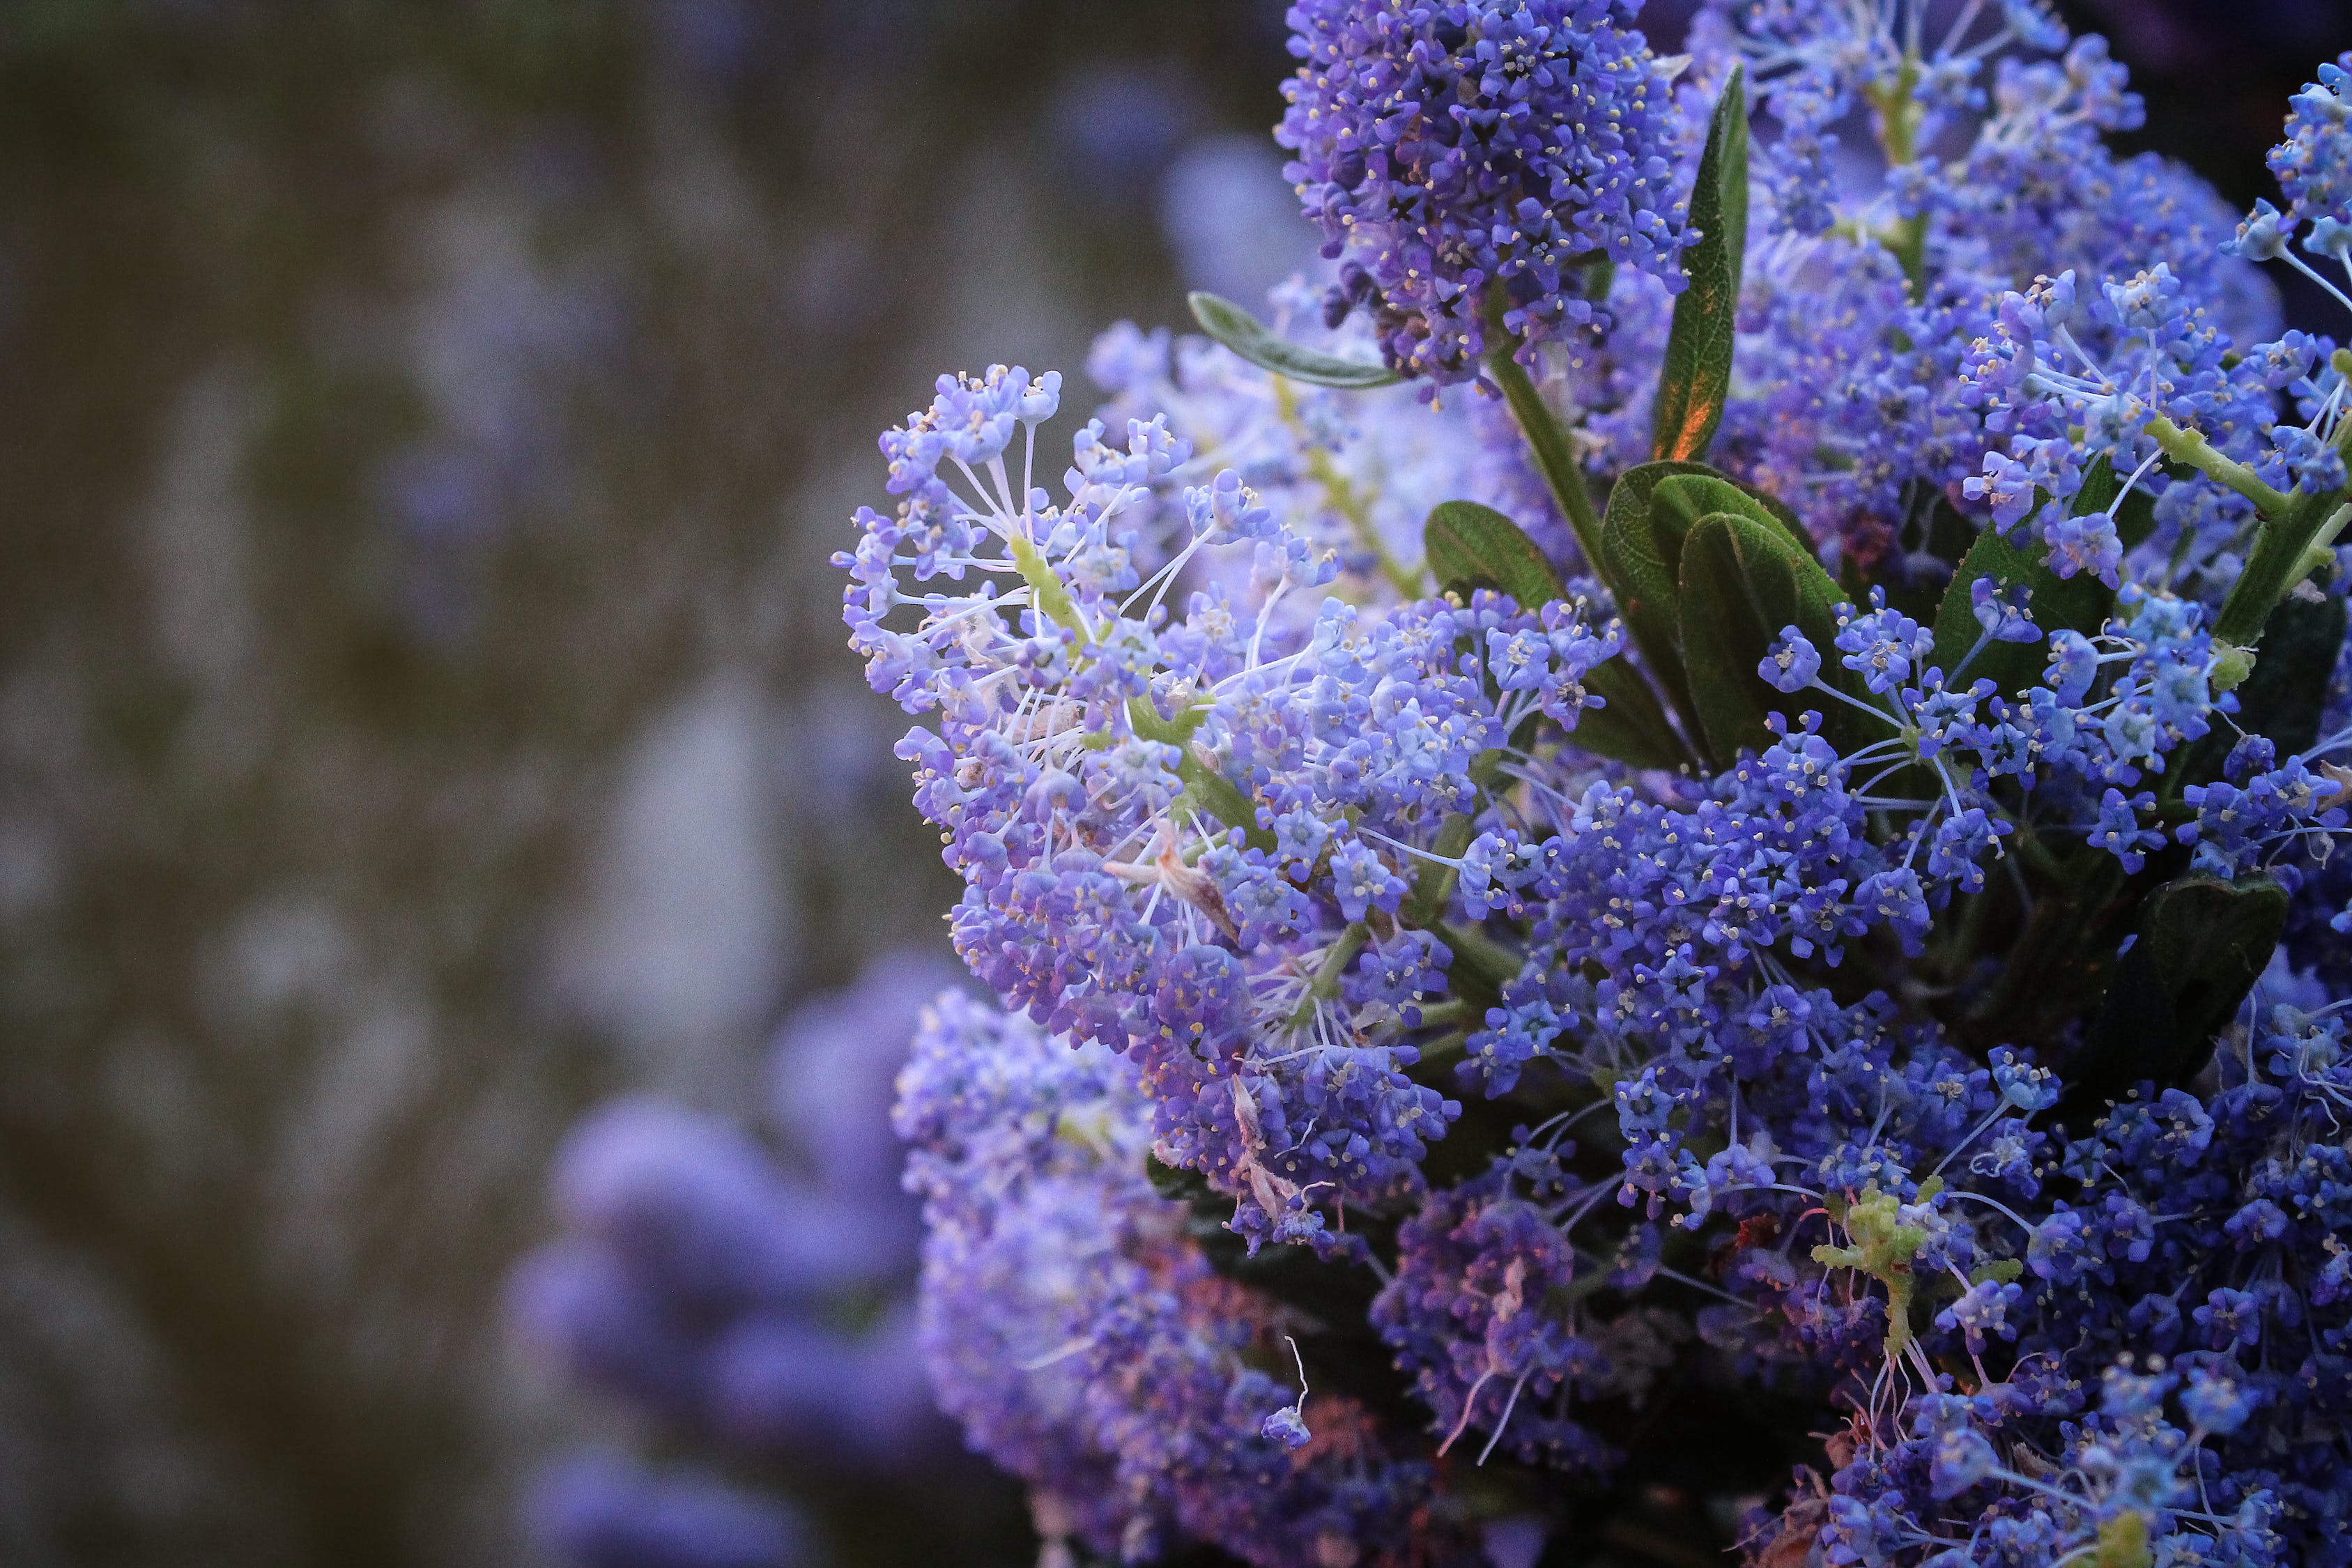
(738,1296)
(833,1066)
(1232,220)
(777,1380)
(1118,125)
(601,1512)
(695,1204)
(580,1301)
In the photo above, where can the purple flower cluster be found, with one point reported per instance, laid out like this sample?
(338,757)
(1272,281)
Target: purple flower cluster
(1241,940)
(2314,164)
(1353,473)
(1430,1116)
(1867,285)
(601,1513)
(1074,1327)
(700,1277)
(1449,148)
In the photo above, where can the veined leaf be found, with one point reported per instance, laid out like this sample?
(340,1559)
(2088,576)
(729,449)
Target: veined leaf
(2201,944)
(1633,563)
(1651,511)
(1470,546)
(2080,603)
(1250,337)
(1683,499)
(1697,373)
(1742,582)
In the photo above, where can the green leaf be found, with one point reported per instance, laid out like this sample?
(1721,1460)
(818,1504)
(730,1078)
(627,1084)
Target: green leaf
(1469,546)
(1633,561)
(1651,511)
(1642,576)
(2286,692)
(2080,603)
(2203,944)
(1742,582)
(2285,695)
(1697,374)
(1249,337)
(1683,499)
(1632,728)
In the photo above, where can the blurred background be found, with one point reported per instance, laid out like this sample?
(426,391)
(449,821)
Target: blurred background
(424,717)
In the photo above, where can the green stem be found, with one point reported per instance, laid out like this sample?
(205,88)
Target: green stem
(1477,951)
(1899,117)
(1549,440)
(1345,498)
(2295,533)
(1910,247)
(1444,1048)
(1406,580)
(1967,937)
(1329,973)
(2037,855)
(1442,1015)
(1214,793)
(2283,556)
(1051,594)
(2192,448)
(1431,889)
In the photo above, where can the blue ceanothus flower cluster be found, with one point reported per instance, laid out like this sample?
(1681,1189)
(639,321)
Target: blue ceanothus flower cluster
(1773,974)
(1446,148)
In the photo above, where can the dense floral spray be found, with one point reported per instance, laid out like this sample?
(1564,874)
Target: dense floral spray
(1659,876)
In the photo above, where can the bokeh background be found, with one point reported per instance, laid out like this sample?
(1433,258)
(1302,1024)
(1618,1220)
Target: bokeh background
(422,712)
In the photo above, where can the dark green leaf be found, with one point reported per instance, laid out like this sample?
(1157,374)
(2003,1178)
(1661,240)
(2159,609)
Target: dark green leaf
(1651,509)
(2100,485)
(1471,546)
(2136,519)
(1697,374)
(2288,691)
(1742,582)
(1248,337)
(2080,603)
(1632,728)
(1682,500)
(2283,697)
(2202,942)
(1633,563)
(2063,961)
(1642,577)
